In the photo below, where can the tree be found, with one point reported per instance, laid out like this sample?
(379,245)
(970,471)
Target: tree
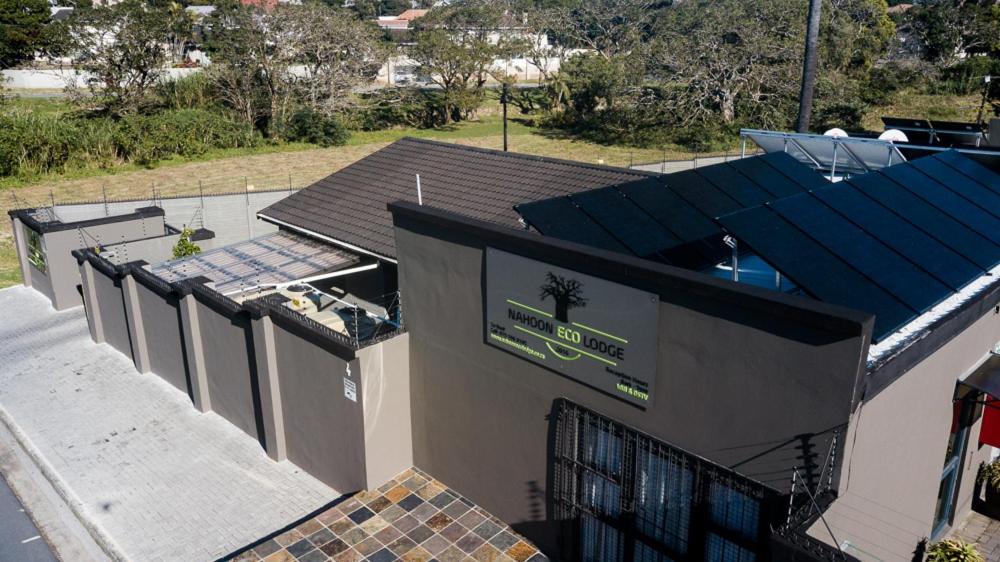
(22,30)
(184,246)
(720,56)
(121,48)
(265,64)
(949,29)
(809,67)
(337,53)
(372,9)
(250,66)
(609,27)
(455,49)
(567,294)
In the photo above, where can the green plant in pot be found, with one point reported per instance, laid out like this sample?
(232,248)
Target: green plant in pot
(953,550)
(990,477)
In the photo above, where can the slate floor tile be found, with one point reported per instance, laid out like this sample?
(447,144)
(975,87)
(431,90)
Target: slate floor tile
(300,548)
(361,515)
(384,555)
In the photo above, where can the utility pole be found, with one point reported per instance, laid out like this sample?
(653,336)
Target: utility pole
(809,67)
(504,99)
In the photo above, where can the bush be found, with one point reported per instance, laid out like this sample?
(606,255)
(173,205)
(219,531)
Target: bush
(953,550)
(309,126)
(886,80)
(966,77)
(147,139)
(194,91)
(184,246)
(32,144)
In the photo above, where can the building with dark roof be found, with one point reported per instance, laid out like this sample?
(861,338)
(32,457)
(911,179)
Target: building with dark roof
(740,362)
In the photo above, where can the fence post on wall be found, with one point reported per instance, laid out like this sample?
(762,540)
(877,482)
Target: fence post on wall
(194,349)
(270,391)
(136,331)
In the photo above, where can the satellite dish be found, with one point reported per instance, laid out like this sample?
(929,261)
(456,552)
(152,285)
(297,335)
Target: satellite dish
(836,133)
(894,135)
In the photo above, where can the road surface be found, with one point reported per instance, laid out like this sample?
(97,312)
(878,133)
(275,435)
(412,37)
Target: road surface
(19,539)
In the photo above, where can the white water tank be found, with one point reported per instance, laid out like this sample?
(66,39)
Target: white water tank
(894,135)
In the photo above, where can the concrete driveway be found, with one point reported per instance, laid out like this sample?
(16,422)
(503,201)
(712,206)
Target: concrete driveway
(150,477)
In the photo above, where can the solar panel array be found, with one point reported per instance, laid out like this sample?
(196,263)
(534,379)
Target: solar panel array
(843,155)
(948,133)
(279,257)
(895,242)
(652,217)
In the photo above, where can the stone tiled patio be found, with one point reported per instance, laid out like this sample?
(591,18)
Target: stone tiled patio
(983,531)
(413,518)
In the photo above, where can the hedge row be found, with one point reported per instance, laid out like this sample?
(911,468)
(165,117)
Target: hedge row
(36,144)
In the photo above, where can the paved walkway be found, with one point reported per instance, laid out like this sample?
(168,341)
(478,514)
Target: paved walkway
(152,477)
(983,531)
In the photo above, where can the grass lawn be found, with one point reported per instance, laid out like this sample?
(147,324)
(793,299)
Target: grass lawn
(926,106)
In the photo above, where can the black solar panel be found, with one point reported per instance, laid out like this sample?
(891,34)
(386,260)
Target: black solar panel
(939,260)
(736,185)
(946,200)
(864,252)
(803,175)
(960,183)
(815,269)
(669,209)
(560,218)
(974,170)
(630,224)
(670,217)
(701,193)
(775,182)
(954,234)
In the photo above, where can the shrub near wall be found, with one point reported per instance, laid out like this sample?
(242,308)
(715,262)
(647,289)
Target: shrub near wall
(33,144)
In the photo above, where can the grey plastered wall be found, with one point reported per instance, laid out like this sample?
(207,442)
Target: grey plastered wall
(898,439)
(152,250)
(59,244)
(228,350)
(111,308)
(232,216)
(744,377)
(162,329)
(385,376)
(324,430)
(21,247)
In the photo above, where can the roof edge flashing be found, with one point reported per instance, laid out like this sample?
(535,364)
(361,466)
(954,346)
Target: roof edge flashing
(616,266)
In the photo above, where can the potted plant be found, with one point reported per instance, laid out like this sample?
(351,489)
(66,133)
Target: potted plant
(990,478)
(953,550)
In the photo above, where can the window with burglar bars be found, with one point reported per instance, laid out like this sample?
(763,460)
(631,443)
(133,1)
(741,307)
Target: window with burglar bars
(624,496)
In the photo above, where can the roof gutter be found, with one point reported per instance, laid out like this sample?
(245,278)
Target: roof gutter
(319,236)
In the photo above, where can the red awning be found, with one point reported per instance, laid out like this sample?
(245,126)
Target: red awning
(986,379)
(989,433)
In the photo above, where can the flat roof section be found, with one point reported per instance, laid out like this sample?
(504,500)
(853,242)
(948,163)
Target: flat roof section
(280,257)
